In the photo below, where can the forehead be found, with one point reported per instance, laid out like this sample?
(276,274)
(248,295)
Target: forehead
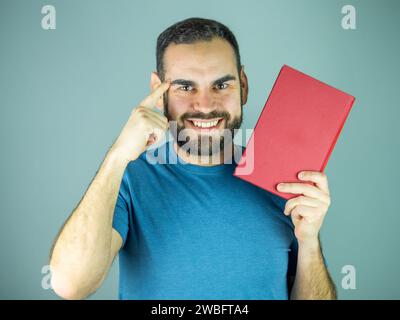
(201,58)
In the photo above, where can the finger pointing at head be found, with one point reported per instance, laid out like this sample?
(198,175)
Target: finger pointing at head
(151,100)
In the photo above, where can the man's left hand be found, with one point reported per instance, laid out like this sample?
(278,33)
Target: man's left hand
(308,210)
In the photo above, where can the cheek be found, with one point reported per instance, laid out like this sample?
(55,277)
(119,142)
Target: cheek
(178,105)
(231,103)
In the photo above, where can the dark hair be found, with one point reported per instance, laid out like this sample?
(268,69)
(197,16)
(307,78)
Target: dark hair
(189,31)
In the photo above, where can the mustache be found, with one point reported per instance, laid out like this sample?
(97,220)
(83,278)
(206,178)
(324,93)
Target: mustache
(211,115)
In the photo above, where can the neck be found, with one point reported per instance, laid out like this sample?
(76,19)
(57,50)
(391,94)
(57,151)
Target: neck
(206,160)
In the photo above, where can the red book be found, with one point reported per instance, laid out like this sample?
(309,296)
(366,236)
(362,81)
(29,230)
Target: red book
(297,130)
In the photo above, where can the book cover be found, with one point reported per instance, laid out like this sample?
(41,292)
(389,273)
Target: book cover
(297,130)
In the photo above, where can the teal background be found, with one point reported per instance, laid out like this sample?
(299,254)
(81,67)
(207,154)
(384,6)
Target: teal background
(65,94)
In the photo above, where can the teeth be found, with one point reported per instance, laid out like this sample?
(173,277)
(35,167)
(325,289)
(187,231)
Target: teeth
(203,124)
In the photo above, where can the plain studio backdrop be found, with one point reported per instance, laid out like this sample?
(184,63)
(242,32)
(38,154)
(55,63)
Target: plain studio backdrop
(66,93)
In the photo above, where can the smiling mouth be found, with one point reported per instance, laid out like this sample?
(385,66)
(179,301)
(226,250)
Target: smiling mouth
(204,125)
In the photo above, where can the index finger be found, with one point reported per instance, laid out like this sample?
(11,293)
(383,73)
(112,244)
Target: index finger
(317,177)
(151,100)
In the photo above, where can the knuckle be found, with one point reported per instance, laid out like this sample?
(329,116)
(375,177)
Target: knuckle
(328,202)
(326,199)
(138,110)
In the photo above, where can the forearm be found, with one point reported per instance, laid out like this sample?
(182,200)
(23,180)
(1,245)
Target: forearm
(80,255)
(312,277)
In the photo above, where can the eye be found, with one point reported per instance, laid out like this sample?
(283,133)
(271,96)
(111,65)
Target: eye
(186,88)
(222,86)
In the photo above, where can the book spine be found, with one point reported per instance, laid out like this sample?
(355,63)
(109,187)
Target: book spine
(333,143)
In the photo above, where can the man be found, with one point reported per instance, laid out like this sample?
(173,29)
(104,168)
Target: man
(189,229)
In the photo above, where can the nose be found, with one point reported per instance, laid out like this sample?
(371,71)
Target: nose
(204,101)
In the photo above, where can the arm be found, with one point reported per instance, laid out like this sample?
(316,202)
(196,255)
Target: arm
(87,244)
(308,211)
(312,278)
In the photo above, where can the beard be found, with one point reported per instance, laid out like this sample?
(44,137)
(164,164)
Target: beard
(203,144)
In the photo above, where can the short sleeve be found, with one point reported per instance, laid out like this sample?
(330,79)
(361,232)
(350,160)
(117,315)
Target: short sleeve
(122,210)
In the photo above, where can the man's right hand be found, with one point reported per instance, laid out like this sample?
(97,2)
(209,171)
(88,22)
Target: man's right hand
(144,127)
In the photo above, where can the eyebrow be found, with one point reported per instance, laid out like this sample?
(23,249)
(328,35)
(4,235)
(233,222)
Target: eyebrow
(185,82)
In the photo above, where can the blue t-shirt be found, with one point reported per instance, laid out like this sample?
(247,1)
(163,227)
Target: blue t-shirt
(195,232)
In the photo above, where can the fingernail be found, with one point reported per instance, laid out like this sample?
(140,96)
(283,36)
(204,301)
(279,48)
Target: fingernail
(301,175)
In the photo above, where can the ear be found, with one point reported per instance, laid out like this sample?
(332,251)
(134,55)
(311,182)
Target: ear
(154,83)
(244,84)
